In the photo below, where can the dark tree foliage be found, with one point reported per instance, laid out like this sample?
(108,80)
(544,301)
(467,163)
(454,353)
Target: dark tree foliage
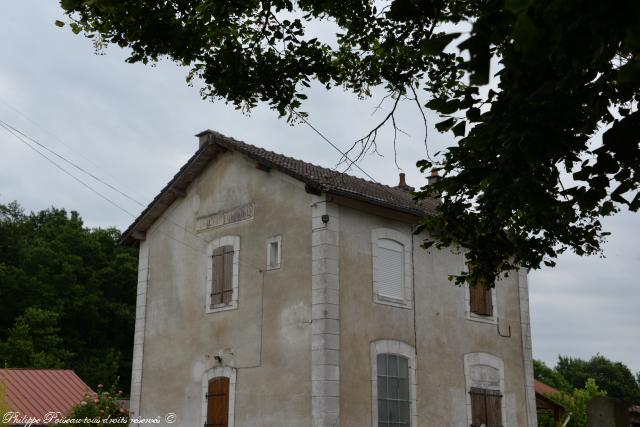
(550,376)
(526,180)
(613,377)
(68,295)
(572,373)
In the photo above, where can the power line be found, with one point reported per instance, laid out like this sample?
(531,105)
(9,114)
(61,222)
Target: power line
(334,146)
(80,168)
(10,130)
(23,138)
(20,135)
(342,174)
(52,135)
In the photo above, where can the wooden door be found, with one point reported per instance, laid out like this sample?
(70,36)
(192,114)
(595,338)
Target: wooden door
(218,402)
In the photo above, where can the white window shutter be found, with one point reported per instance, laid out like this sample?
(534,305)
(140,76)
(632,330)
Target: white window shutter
(390,269)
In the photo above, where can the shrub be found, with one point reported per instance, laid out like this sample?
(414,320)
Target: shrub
(97,409)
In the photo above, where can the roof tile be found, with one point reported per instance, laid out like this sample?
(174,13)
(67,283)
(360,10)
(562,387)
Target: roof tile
(317,177)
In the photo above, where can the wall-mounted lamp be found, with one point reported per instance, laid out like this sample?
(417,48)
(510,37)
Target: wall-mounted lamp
(325,218)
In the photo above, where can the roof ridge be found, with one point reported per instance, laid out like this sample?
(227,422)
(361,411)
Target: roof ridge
(332,171)
(315,177)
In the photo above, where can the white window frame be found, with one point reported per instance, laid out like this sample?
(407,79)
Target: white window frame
(407,290)
(493,319)
(220,371)
(397,348)
(278,240)
(211,247)
(479,359)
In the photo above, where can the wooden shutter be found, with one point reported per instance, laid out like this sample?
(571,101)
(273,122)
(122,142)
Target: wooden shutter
(222,277)
(478,409)
(390,269)
(227,290)
(486,407)
(493,401)
(218,402)
(480,299)
(488,301)
(218,276)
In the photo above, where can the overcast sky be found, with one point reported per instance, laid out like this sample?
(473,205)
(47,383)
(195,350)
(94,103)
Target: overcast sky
(133,125)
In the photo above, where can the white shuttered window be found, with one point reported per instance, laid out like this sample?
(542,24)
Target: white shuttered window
(390,269)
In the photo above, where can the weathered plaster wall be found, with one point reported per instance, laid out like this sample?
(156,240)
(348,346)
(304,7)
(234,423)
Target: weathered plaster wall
(267,338)
(299,344)
(444,334)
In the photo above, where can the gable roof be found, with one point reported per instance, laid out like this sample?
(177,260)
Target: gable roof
(315,178)
(36,392)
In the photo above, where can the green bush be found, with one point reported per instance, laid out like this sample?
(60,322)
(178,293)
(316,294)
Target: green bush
(576,402)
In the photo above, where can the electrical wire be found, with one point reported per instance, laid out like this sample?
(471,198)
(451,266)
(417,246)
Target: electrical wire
(24,138)
(343,174)
(304,120)
(21,136)
(80,168)
(53,136)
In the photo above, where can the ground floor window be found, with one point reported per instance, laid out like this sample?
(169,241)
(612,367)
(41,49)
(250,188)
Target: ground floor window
(393,391)
(486,407)
(393,366)
(484,378)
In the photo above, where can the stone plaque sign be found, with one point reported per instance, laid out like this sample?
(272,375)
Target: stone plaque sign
(230,216)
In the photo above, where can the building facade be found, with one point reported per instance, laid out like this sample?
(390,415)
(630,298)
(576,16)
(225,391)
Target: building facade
(273,292)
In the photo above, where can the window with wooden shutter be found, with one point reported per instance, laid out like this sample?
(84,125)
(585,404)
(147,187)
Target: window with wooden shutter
(480,299)
(390,269)
(486,407)
(222,277)
(218,402)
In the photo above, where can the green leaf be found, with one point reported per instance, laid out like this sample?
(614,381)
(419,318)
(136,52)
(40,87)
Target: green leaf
(480,62)
(473,114)
(445,125)
(70,4)
(458,130)
(635,203)
(629,72)
(444,106)
(59,23)
(516,6)
(437,43)
(525,33)
(423,165)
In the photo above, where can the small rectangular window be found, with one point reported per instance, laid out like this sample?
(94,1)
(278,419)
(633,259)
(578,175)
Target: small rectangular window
(274,252)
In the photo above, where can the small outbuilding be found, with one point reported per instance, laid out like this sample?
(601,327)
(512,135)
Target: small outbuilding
(546,405)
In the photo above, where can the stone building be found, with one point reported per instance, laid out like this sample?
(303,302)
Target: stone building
(273,292)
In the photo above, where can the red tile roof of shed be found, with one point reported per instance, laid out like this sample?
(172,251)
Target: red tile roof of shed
(35,392)
(544,389)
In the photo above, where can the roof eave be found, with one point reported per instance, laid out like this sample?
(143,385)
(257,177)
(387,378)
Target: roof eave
(174,189)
